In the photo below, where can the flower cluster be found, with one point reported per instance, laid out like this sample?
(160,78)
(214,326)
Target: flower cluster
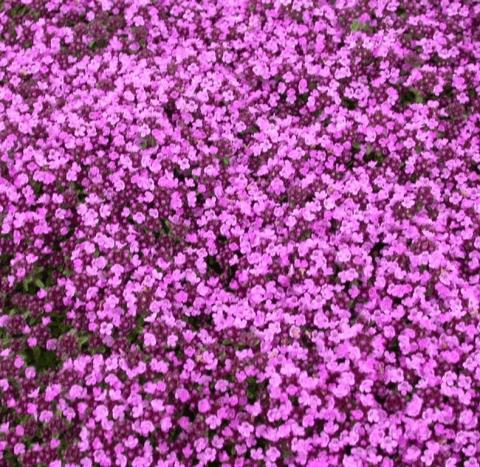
(243,232)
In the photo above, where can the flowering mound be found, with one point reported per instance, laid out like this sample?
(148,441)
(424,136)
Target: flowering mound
(239,233)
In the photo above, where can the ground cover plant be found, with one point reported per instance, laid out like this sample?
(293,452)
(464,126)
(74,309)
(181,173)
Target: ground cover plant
(239,233)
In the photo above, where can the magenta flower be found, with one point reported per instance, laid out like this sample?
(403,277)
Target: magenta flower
(239,233)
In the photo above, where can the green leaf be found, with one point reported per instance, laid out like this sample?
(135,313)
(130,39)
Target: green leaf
(19,11)
(83,340)
(149,142)
(254,388)
(166,226)
(350,104)
(411,96)
(41,359)
(98,44)
(359,26)
(401,12)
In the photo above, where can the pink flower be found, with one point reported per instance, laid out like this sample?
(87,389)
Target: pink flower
(100,412)
(272,454)
(149,339)
(203,406)
(414,406)
(75,392)
(165,424)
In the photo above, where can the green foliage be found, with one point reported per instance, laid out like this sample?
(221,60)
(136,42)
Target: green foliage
(359,26)
(11,459)
(213,265)
(166,227)
(79,191)
(38,188)
(302,99)
(350,104)
(136,332)
(18,11)
(401,12)
(356,146)
(230,450)
(5,259)
(98,44)
(41,359)
(254,389)
(249,131)
(375,156)
(411,96)
(39,278)
(58,325)
(149,142)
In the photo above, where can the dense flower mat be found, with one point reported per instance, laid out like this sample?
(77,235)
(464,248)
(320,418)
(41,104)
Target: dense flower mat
(239,233)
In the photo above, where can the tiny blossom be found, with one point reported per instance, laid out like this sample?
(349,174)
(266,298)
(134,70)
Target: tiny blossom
(239,232)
